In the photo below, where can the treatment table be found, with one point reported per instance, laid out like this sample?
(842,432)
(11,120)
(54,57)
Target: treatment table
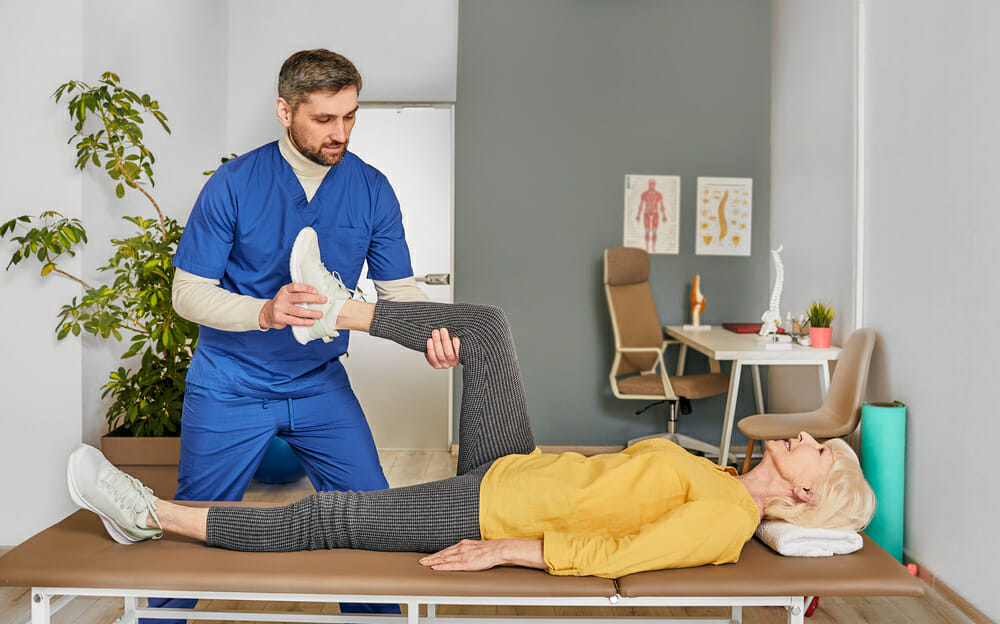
(75,557)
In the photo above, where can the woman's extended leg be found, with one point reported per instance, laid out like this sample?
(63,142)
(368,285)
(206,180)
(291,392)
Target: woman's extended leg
(419,518)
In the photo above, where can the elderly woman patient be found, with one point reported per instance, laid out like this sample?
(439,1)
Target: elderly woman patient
(648,507)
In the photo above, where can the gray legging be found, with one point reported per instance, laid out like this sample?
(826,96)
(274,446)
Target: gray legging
(419,518)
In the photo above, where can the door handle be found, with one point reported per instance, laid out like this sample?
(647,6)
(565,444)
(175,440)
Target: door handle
(435,279)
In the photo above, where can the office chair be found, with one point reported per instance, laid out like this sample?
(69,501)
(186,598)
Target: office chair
(638,372)
(841,410)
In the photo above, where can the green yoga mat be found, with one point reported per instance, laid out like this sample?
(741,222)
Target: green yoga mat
(883,458)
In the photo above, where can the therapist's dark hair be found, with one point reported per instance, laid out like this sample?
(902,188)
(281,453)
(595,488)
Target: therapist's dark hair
(311,71)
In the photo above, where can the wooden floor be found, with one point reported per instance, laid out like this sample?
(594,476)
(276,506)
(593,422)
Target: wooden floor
(410,467)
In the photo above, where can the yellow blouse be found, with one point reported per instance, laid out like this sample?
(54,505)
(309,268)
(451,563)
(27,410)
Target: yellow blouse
(649,507)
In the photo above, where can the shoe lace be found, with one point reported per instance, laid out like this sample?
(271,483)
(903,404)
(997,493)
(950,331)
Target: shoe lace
(332,282)
(130,492)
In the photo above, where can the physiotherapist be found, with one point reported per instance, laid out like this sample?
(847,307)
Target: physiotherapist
(250,379)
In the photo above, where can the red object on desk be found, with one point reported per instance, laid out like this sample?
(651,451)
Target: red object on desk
(747,328)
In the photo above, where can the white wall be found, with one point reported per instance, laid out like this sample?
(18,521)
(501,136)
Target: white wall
(812,172)
(176,52)
(405,51)
(213,67)
(215,77)
(932,150)
(933,153)
(39,376)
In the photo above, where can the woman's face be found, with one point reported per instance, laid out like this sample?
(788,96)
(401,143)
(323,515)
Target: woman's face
(802,461)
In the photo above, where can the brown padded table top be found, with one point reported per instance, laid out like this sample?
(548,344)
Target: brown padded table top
(870,571)
(77,553)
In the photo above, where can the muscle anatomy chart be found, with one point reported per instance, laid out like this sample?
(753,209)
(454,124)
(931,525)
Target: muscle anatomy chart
(652,212)
(724,210)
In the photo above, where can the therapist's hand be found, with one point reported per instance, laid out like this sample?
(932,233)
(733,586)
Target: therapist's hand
(442,349)
(281,311)
(472,555)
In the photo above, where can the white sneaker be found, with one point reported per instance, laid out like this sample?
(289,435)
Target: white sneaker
(307,268)
(121,501)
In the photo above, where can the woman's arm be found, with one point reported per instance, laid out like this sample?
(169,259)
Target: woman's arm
(483,555)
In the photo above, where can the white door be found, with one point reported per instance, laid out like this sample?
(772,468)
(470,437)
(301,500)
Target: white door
(408,403)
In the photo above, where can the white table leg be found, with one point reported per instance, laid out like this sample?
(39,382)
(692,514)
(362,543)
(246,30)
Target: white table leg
(681,359)
(40,608)
(758,393)
(130,615)
(824,379)
(796,612)
(727,423)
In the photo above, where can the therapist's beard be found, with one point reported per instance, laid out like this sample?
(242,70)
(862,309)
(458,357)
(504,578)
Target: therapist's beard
(317,156)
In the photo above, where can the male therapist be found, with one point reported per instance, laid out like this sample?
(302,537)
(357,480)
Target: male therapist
(250,379)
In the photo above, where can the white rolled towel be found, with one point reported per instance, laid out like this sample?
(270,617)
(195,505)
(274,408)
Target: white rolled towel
(795,541)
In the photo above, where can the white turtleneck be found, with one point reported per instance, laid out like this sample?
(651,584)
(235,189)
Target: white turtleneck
(201,300)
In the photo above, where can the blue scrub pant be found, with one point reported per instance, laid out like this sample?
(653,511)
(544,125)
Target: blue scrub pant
(224,436)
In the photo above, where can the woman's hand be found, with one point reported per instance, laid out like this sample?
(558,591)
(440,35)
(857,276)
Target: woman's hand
(471,555)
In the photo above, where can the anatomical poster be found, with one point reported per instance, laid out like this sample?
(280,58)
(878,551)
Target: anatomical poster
(724,213)
(652,212)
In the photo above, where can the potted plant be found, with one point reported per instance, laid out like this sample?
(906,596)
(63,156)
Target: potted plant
(820,317)
(146,399)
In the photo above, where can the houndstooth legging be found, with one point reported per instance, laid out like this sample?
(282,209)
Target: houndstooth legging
(419,518)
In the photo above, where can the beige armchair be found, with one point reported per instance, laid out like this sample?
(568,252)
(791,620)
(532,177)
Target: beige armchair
(841,411)
(638,371)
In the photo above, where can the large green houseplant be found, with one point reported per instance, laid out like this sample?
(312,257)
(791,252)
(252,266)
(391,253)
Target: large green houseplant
(146,398)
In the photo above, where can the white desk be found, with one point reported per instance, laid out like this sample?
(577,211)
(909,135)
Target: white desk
(746,350)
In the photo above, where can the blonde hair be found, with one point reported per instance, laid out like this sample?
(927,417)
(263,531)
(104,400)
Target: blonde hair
(846,501)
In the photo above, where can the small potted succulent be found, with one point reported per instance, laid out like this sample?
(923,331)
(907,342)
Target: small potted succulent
(820,317)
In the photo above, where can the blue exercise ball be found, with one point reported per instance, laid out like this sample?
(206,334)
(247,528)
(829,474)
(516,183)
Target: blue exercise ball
(280,464)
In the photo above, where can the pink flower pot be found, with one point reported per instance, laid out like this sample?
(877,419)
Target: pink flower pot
(820,337)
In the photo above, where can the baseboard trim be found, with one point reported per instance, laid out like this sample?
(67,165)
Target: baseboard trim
(948,593)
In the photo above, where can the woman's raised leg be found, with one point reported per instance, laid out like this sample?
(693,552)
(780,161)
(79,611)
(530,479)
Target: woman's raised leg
(494,413)
(420,518)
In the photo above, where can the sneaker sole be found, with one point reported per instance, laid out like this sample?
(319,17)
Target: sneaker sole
(74,493)
(300,332)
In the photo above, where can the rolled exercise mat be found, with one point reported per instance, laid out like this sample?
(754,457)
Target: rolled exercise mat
(883,458)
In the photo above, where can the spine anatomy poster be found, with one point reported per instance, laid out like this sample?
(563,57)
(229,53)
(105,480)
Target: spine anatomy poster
(652,212)
(724,216)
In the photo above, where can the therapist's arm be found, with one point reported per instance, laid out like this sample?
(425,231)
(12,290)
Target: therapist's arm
(201,300)
(405,289)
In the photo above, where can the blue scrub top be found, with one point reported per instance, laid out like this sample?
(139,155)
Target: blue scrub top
(241,232)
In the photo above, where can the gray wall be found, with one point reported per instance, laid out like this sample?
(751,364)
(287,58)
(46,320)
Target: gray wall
(557,101)
(931,153)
